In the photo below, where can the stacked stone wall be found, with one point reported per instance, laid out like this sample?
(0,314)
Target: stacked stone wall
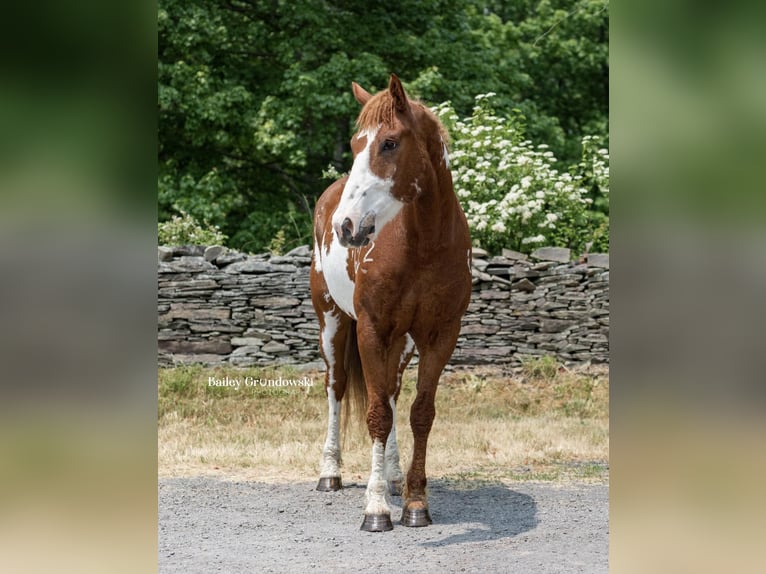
(223,307)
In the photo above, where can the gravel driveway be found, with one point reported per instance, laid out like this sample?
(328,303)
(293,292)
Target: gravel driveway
(212,525)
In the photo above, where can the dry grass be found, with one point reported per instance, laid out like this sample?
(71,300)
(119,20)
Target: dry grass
(543,423)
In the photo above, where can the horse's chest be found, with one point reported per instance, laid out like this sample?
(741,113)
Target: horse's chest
(338,270)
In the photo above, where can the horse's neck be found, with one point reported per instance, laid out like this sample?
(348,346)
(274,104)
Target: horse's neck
(434,214)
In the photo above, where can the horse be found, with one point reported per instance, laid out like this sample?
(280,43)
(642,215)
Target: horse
(390,274)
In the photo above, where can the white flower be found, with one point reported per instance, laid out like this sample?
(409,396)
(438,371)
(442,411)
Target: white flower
(499,227)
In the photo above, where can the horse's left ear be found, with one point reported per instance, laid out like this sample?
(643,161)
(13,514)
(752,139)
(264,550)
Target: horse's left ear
(401,103)
(362,96)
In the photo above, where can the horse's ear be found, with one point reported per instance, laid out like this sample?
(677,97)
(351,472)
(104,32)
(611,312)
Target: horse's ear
(401,103)
(362,96)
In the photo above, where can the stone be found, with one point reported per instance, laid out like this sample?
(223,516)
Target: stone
(500,270)
(479,329)
(229,258)
(598,260)
(213,252)
(250,265)
(300,251)
(191,311)
(479,264)
(186,264)
(524,285)
(554,325)
(284,268)
(246,341)
(559,254)
(515,255)
(480,276)
(275,347)
(275,302)
(164,253)
(190,250)
(494,294)
(215,347)
(478,253)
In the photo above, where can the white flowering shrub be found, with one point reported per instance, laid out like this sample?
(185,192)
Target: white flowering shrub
(185,230)
(513,194)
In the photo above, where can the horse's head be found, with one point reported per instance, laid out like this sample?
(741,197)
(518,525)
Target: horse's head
(391,162)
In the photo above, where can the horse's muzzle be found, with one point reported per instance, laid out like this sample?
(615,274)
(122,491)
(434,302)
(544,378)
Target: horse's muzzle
(346,234)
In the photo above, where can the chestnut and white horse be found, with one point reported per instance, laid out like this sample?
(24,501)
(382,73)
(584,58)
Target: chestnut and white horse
(390,273)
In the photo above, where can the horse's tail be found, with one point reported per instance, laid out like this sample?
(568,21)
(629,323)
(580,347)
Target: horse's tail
(356,388)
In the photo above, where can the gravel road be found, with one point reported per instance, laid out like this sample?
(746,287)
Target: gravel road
(212,525)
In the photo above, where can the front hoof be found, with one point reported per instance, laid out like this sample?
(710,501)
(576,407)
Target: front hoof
(377,523)
(416,516)
(329,484)
(395,487)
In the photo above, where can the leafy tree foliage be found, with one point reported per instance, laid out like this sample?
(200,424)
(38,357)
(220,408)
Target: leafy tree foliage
(255,99)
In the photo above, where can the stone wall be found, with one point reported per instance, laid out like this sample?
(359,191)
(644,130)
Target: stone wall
(223,307)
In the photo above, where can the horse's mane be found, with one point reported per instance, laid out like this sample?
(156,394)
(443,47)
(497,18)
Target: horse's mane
(379,111)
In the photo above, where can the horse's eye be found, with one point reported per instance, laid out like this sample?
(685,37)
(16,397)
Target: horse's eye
(389,145)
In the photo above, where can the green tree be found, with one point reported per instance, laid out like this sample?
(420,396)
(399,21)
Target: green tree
(255,100)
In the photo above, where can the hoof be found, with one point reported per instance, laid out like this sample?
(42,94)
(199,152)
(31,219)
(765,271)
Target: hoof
(329,484)
(415,517)
(377,523)
(395,487)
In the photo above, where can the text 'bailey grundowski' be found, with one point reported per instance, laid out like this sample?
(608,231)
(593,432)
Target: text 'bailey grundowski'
(258,382)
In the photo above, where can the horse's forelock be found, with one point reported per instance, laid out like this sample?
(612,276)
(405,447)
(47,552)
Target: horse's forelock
(380,111)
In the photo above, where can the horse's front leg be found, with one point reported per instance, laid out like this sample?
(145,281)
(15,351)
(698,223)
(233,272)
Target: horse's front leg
(433,358)
(380,371)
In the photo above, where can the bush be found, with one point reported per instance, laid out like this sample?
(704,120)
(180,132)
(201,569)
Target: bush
(185,230)
(513,194)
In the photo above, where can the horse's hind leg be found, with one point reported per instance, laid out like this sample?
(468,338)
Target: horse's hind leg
(334,327)
(392,470)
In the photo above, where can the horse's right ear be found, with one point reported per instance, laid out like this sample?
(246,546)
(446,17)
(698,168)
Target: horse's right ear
(362,96)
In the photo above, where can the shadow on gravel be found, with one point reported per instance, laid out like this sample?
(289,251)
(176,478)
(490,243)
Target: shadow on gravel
(489,511)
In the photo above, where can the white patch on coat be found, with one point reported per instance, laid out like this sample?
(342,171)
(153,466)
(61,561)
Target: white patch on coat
(377,488)
(409,346)
(330,463)
(365,192)
(317,258)
(335,271)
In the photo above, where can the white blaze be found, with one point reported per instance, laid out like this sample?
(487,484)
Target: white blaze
(365,192)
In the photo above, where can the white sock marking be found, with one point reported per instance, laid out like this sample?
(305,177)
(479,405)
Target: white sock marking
(330,464)
(377,491)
